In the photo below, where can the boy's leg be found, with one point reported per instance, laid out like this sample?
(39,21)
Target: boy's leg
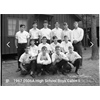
(20,51)
(77,64)
(53,69)
(33,67)
(39,66)
(47,68)
(60,65)
(27,69)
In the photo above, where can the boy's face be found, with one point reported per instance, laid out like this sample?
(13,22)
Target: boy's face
(34,25)
(27,49)
(32,42)
(55,40)
(44,40)
(45,24)
(65,26)
(22,28)
(44,51)
(66,39)
(70,50)
(75,24)
(57,50)
(57,25)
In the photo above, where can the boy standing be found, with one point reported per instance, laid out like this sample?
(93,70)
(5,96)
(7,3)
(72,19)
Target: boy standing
(34,33)
(57,32)
(67,32)
(21,40)
(78,35)
(45,32)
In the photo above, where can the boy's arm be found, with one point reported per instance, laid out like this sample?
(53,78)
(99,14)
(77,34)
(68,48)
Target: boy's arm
(77,55)
(21,65)
(16,43)
(49,59)
(16,40)
(38,59)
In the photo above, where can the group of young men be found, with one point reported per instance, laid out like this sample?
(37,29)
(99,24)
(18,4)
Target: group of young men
(49,51)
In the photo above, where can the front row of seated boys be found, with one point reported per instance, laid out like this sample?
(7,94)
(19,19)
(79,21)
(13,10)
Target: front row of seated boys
(44,62)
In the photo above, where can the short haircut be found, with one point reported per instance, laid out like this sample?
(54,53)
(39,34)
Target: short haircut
(70,47)
(35,22)
(22,25)
(76,22)
(44,48)
(65,23)
(65,36)
(31,41)
(45,21)
(56,22)
(44,37)
(57,47)
(54,37)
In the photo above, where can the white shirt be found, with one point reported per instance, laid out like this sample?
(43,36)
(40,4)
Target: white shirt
(65,45)
(41,45)
(73,56)
(45,32)
(25,58)
(22,36)
(53,45)
(33,50)
(78,34)
(34,33)
(67,33)
(57,32)
(55,56)
(45,60)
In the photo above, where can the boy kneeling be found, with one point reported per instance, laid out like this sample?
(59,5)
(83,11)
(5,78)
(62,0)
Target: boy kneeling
(74,58)
(26,62)
(60,61)
(43,61)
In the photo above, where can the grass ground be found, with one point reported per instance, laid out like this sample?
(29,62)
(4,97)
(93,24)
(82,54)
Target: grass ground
(89,75)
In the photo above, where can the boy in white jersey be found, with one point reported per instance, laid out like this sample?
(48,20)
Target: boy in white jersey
(65,44)
(54,44)
(34,33)
(78,35)
(43,61)
(60,62)
(74,58)
(44,43)
(33,51)
(26,62)
(21,40)
(45,32)
(57,31)
(67,32)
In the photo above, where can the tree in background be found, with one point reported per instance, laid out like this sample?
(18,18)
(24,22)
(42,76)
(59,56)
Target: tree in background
(95,51)
(90,21)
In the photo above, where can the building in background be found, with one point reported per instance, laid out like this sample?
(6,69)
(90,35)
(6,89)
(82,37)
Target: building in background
(10,25)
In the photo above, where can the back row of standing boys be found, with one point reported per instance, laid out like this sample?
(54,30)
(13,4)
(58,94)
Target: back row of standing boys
(57,42)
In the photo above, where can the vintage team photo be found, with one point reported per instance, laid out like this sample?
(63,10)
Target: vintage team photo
(50,49)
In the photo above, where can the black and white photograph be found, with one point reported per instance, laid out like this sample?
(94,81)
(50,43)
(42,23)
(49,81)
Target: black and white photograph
(50,49)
